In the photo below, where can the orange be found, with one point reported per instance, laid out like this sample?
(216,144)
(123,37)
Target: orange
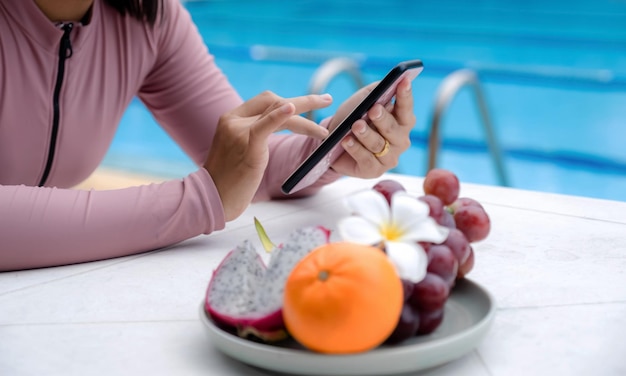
(342,298)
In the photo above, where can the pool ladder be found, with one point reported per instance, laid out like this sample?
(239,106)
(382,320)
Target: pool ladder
(447,91)
(328,71)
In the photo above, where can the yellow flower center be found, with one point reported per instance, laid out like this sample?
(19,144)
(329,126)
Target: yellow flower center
(391,232)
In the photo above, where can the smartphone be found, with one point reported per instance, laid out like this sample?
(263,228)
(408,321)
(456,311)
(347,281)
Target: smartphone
(318,162)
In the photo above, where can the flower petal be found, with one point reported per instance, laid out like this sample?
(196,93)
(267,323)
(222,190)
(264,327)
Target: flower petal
(411,216)
(409,259)
(370,205)
(359,230)
(406,209)
(427,231)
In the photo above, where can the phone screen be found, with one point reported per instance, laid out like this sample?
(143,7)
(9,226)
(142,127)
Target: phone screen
(318,162)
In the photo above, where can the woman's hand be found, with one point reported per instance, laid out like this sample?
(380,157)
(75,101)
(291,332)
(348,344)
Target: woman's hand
(373,150)
(239,154)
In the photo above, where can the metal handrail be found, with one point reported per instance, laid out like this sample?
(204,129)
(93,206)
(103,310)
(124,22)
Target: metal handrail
(328,71)
(447,91)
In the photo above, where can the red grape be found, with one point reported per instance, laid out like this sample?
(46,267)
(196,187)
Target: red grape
(442,262)
(429,321)
(388,187)
(407,325)
(473,221)
(448,220)
(425,246)
(436,207)
(443,184)
(430,293)
(458,244)
(463,201)
(408,322)
(407,288)
(467,266)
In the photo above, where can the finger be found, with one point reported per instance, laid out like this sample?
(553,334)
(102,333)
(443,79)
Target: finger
(300,125)
(403,107)
(312,102)
(271,122)
(386,126)
(268,101)
(259,104)
(366,165)
(373,141)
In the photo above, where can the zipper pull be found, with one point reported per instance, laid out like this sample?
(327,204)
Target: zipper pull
(65,50)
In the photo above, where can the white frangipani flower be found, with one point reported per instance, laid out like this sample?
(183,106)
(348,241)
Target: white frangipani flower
(399,226)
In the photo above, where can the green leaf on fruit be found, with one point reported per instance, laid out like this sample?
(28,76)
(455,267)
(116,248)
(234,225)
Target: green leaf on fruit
(265,240)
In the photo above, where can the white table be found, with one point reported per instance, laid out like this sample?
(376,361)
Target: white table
(556,266)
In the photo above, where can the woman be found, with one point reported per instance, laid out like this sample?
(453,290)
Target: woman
(69,69)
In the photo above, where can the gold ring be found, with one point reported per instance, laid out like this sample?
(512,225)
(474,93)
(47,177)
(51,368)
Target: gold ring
(383,152)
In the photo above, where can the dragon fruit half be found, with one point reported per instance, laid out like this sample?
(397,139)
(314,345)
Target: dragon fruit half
(246,296)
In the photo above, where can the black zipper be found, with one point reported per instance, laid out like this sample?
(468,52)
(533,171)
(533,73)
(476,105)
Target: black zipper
(65,52)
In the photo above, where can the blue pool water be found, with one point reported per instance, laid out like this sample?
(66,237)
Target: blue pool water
(554,75)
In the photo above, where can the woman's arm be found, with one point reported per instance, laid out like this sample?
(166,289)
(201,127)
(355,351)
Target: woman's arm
(187,93)
(48,226)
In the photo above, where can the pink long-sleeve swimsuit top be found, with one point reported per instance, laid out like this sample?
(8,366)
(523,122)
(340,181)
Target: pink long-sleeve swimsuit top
(63,91)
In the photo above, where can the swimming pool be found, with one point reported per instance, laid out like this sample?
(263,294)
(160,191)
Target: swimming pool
(554,75)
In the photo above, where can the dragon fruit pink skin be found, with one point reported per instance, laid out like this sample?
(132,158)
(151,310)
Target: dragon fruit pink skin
(246,296)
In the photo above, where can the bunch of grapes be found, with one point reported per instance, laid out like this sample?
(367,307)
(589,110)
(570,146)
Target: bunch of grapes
(449,261)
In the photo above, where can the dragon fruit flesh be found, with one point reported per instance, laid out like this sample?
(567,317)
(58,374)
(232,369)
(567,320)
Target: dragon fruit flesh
(246,296)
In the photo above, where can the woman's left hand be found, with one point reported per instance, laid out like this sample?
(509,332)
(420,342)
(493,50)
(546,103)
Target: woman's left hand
(374,149)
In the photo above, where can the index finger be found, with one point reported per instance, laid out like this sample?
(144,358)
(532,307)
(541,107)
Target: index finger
(310,102)
(269,101)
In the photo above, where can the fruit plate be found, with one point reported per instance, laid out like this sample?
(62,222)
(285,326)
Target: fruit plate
(468,314)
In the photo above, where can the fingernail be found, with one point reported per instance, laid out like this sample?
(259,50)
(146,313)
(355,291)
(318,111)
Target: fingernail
(376,112)
(360,128)
(326,97)
(349,143)
(407,88)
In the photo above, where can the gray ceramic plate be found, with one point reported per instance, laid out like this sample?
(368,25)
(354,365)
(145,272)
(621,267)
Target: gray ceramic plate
(468,315)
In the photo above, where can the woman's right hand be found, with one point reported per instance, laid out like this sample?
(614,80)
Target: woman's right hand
(239,153)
